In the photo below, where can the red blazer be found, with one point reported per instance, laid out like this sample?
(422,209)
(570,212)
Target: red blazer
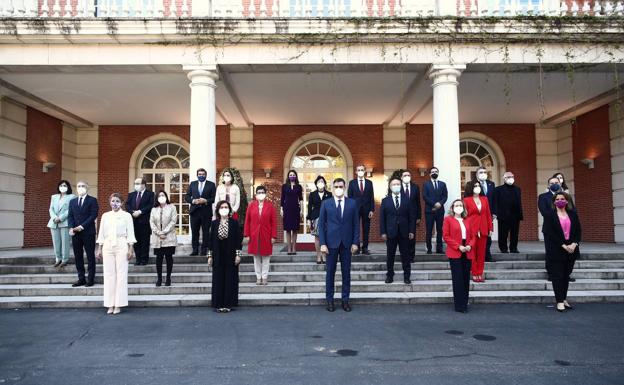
(260,228)
(451,233)
(481,222)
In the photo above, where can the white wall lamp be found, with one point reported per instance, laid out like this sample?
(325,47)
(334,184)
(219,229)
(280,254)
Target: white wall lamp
(267,172)
(422,171)
(47,166)
(589,162)
(369,172)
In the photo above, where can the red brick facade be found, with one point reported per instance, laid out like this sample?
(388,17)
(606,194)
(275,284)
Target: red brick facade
(44,143)
(592,187)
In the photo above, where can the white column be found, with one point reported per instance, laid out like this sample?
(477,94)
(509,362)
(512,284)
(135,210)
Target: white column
(446,126)
(203,119)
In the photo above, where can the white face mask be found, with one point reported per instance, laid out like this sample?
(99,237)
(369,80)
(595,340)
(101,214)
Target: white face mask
(162,200)
(81,190)
(138,187)
(260,196)
(458,210)
(63,189)
(510,181)
(407,179)
(476,190)
(227,179)
(482,176)
(395,188)
(360,174)
(224,212)
(339,191)
(320,186)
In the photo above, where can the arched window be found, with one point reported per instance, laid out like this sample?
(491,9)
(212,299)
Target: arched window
(473,154)
(165,165)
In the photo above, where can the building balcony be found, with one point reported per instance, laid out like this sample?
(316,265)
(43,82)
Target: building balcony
(179,9)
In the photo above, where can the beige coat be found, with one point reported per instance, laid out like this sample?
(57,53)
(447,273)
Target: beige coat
(164,221)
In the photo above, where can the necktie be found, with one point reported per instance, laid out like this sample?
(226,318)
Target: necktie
(396,202)
(138,201)
(340,209)
(435,184)
(201,188)
(407,191)
(361,186)
(484,184)
(80,202)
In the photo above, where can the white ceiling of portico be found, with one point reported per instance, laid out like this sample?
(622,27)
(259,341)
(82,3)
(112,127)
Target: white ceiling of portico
(304,96)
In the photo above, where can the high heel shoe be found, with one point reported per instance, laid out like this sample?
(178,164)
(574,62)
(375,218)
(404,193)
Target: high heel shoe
(559,309)
(567,305)
(110,310)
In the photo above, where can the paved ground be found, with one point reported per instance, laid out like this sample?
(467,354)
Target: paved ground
(425,344)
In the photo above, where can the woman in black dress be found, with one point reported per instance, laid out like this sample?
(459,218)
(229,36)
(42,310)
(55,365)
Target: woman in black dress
(224,257)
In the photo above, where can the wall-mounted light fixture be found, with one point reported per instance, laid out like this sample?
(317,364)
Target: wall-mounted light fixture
(369,172)
(47,166)
(267,172)
(422,171)
(589,162)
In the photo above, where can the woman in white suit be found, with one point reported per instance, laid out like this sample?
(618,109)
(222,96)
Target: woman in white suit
(115,240)
(228,191)
(59,210)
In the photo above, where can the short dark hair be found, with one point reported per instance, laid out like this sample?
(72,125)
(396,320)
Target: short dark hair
(260,188)
(200,170)
(551,178)
(296,176)
(320,177)
(470,185)
(69,189)
(339,180)
(433,168)
(405,171)
(156,203)
(142,180)
(218,206)
(481,168)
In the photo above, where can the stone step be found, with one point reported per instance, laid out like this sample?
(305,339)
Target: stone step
(477,297)
(309,266)
(33,290)
(38,259)
(312,276)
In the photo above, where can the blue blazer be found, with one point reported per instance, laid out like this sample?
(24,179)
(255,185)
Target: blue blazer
(431,195)
(364,200)
(145,205)
(490,191)
(209,192)
(84,216)
(394,222)
(544,203)
(332,230)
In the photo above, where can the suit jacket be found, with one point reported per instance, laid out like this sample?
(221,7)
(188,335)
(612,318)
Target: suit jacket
(545,203)
(234,242)
(414,198)
(490,191)
(84,216)
(480,221)
(193,193)
(314,204)
(508,203)
(451,233)
(260,228)
(145,205)
(334,231)
(364,200)
(393,222)
(554,238)
(431,195)
(59,210)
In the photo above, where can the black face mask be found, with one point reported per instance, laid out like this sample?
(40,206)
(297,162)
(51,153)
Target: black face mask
(434,176)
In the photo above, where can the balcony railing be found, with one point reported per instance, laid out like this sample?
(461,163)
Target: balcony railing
(306,8)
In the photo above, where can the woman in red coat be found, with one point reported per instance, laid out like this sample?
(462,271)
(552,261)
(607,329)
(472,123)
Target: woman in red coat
(460,243)
(261,232)
(480,219)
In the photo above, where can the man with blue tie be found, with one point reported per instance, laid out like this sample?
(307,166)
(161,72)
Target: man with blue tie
(435,195)
(201,196)
(361,190)
(339,236)
(83,212)
(397,225)
(487,186)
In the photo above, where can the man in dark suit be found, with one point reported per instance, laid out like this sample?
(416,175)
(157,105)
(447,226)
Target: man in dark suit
(487,186)
(361,190)
(139,204)
(339,236)
(412,192)
(508,209)
(397,224)
(435,195)
(83,212)
(201,196)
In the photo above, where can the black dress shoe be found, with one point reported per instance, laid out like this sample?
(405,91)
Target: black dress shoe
(89,284)
(504,251)
(461,310)
(366,252)
(389,280)
(330,306)
(79,283)
(194,254)
(407,281)
(515,251)
(572,279)
(429,252)
(158,282)
(168,282)
(346,307)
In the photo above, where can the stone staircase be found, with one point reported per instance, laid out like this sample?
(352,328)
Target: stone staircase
(30,280)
